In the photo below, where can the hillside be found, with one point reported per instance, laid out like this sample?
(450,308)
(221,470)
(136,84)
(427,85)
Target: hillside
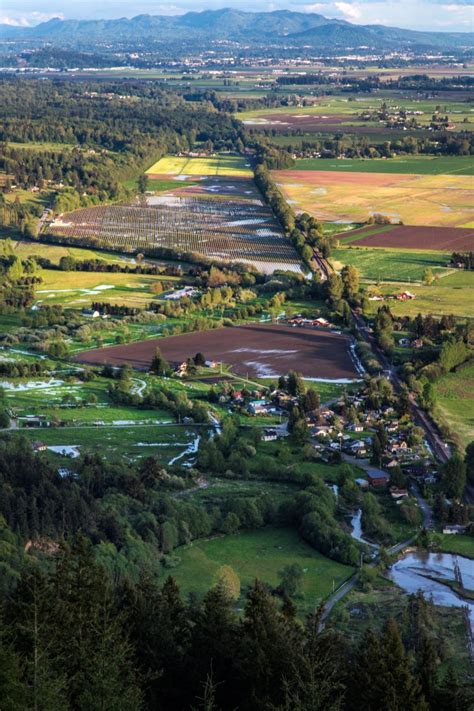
(270,28)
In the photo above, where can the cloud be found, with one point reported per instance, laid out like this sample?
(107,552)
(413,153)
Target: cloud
(350,12)
(13,21)
(28,19)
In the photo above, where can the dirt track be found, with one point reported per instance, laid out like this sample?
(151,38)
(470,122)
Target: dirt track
(256,350)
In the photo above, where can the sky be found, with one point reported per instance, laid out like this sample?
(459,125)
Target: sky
(438,15)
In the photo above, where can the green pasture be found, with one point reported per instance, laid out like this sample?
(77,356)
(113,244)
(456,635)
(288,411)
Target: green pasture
(384,264)
(453,294)
(133,442)
(455,402)
(417,165)
(258,554)
(464,545)
(79,289)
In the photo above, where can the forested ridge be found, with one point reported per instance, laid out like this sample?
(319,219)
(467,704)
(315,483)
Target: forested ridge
(95,136)
(86,625)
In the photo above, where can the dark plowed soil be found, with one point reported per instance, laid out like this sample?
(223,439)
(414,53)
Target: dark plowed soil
(256,350)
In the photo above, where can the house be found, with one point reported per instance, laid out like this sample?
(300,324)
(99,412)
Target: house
(34,421)
(378,478)
(181,293)
(38,446)
(454,530)
(405,296)
(182,370)
(397,493)
(355,428)
(322,322)
(257,407)
(91,313)
(269,435)
(321,430)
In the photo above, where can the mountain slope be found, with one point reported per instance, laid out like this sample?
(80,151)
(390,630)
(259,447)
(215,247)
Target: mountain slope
(278,27)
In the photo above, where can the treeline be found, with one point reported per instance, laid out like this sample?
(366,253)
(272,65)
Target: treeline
(72,641)
(18,279)
(273,197)
(116,135)
(343,143)
(466,260)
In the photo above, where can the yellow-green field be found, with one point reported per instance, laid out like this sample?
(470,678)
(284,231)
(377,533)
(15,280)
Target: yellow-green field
(80,289)
(430,200)
(224,165)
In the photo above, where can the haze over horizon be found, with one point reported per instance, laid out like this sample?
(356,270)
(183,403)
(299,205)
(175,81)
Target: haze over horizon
(428,15)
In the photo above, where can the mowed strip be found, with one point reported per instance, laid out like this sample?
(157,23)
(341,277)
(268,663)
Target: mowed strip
(257,350)
(405,237)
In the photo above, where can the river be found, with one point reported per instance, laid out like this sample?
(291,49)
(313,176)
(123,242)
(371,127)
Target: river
(413,571)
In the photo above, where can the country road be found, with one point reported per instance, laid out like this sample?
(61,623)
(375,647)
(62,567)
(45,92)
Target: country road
(439,448)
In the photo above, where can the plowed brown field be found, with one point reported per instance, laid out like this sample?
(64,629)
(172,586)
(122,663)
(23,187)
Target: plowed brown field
(442,238)
(256,350)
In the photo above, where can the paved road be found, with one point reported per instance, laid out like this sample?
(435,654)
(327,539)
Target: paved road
(428,520)
(338,595)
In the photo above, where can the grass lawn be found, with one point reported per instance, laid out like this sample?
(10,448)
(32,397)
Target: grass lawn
(455,402)
(418,165)
(258,554)
(377,263)
(227,165)
(464,545)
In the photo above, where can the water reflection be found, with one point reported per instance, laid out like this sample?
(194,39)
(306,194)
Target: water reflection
(415,571)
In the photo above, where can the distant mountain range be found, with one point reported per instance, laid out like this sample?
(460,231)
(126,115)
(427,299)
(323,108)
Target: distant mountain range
(279,28)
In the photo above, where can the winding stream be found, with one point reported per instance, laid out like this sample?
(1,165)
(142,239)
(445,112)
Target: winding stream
(356,533)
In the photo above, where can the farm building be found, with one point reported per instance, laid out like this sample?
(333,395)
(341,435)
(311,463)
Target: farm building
(378,478)
(454,530)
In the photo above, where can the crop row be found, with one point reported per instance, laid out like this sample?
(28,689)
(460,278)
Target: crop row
(230,230)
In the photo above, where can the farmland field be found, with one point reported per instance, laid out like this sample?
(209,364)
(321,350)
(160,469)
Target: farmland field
(220,165)
(441,200)
(390,264)
(412,165)
(260,351)
(259,554)
(453,294)
(337,113)
(220,218)
(58,287)
(449,239)
(131,441)
(455,402)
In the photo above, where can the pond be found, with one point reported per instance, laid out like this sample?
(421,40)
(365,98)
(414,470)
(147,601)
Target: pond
(425,571)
